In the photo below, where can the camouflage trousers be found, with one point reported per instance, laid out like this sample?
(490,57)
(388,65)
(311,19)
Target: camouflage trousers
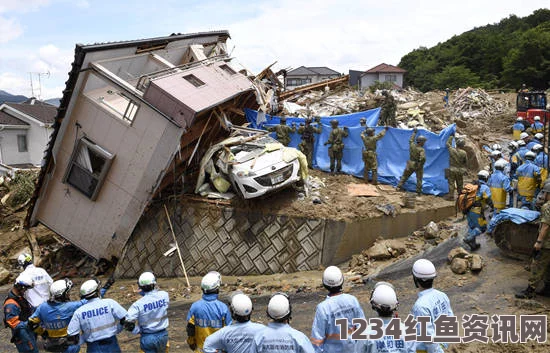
(413,167)
(336,154)
(307,149)
(371,165)
(539,268)
(455,178)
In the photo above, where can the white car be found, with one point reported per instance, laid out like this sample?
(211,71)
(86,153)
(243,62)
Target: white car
(259,166)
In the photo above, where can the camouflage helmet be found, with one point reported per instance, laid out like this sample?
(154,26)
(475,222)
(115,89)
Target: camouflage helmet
(283,119)
(363,121)
(460,143)
(421,138)
(369,131)
(334,122)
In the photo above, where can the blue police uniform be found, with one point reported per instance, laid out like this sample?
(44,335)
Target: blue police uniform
(16,312)
(325,334)
(98,323)
(432,303)
(521,153)
(281,338)
(151,314)
(235,338)
(541,161)
(517,129)
(477,223)
(386,344)
(208,315)
(54,317)
(530,144)
(537,127)
(528,175)
(499,184)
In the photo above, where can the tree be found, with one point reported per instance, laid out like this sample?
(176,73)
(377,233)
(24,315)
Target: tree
(455,77)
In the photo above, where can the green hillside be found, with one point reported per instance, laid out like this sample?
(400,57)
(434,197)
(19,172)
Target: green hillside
(503,55)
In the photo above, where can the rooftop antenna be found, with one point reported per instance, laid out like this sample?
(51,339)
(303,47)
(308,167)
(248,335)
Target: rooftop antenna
(39,89)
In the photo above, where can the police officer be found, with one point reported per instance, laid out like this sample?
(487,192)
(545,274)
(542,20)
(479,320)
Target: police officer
(431,302)
(369,153)
(537,126)
(387,115)
(208,314)
(541,249)
(384,301)
(308,140)
(97,322)
(336,149)
(477,224)
(415,164)
(337,305)
(457,165)
(16,312)
(518,128)
(278,336)
(529,179)
(538,139)
(499,184)
(283,131)
(541,160)
(239,336)
(39,293)
(52,317)
(149,315)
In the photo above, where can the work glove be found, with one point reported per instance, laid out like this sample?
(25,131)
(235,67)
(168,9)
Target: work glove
(129,326)
(109,283)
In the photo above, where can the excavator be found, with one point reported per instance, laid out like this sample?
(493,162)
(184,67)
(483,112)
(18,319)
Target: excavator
(530,104)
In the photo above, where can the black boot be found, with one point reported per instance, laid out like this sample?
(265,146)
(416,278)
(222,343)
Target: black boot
(472,244)
(527,293)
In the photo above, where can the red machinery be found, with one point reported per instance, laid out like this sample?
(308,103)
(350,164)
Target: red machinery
(531,104)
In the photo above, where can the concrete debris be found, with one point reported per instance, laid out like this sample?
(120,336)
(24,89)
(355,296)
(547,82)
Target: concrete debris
(4,275)
(475,103)
(387,209)
(379,251)
(476,263)
(459,265)
(431,231)
(457,252)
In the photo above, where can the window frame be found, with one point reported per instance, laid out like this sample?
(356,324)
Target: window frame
(227,69)
(194,80)
(25,142)
(73,162)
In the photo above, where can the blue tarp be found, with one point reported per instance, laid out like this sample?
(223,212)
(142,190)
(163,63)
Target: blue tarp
(393,149)
(516,215)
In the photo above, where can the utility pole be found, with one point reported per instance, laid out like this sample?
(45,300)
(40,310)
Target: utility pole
(39,89)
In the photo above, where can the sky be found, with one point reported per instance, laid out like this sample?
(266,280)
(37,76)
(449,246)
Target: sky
(38,37)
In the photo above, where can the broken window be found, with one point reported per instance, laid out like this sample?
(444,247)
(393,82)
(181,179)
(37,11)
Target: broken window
(228,69)
(121,104)
(194,80)
(88,168)
(22,143)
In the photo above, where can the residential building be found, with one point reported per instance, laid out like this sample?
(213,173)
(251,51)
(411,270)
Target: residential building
(382,73)
(25,129)
(307,75)
(134,119)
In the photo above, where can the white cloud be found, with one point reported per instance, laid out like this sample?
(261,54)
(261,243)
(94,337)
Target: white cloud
(9,29)
(82,4)
(22,5)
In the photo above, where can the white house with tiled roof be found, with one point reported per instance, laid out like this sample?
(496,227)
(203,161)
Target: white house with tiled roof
(307,75)
(382,73)
(25,129)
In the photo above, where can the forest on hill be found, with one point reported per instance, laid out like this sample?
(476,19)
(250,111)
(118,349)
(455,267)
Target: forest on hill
(505,55)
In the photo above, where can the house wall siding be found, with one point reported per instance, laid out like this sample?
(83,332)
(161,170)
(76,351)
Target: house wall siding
(101,227)
(9,148)
(368,80)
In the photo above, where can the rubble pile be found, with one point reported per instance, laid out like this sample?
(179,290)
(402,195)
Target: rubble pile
(475,103)
(461,261)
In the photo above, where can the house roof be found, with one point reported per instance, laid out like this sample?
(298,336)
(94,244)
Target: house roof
(385,68)
(41,111)
(318,70)
(7,119)
(79,56)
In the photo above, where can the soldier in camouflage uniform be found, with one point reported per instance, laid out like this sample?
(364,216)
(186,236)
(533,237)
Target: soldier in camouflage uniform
(415,164)
(387,116)
(336,149)
(541,250)
(369,154)
(308,139)
(283,131)
(457,166)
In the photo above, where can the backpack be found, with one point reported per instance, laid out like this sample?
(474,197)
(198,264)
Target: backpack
(467,197)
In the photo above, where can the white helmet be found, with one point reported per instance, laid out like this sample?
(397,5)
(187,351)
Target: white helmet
(513,145)
(519,118)
(521,143)
(89,289)
(424,269)
(211,282)
(147,280)
(498,147)
(383,297)
(500,164)
(241,305)
(60,288)
(24,281)
(483,174)
(523,135)
(530,156)
(537,118)
(333,277)
(24,259)
(539,136)
(278,306)
(537,147)
(496,153)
